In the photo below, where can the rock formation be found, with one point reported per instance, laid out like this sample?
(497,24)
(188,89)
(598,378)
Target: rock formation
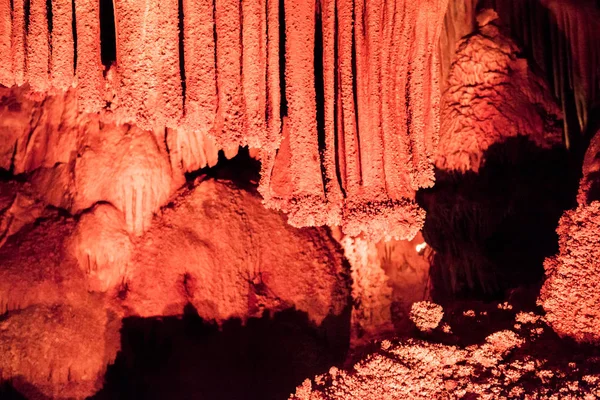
(116,117)
(215,247)
(570,294)
(346,118)
(491,95)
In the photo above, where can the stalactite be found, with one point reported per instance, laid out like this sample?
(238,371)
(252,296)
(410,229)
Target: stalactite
(297,188)
(395,86)
(358,104)
(231,117)
(37,46)
(18,35)
(200,70)
(62,55)
(90,83)
(329,148)
(6,73)
(254,66)
(191,151)
(273,107)
(150,93)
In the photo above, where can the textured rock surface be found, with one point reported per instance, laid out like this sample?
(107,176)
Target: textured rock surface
(570,294)
(219,249)
(346,119)
(510,363)
(58,352)
(102,246)
(491,95)
(66,283)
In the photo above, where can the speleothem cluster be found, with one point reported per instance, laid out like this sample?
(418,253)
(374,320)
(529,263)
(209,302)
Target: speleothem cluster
(105,215)
(341,97)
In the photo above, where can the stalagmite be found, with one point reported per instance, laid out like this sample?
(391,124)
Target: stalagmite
(90,83)
(6,73)
(62,56)
(570,294)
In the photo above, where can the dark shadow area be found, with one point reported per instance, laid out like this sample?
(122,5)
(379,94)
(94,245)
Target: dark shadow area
(189,358)
(241,169)
(492,230)
(108,34)
(7,392)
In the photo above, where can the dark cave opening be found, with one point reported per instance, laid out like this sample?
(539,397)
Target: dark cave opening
(242,169)
(189,358)
(491,230)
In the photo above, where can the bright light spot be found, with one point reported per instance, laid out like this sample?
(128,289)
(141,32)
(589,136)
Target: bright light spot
(420,247)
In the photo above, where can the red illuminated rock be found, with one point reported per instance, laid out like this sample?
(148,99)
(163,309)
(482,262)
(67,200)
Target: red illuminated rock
(570,294)
(38,269)
(62,56)
(60,352)
(426,315)
(218,248)
(90,82)
(6,72)
(500,367)
(36,133)
(360,108)
(149,92)
(102,247)
(491,95)
(127,167)
(38,52)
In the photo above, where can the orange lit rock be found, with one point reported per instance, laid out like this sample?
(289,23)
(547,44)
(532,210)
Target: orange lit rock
(149,93)
(38,269)
(38,52)
(6,72)
(102,247)
(18,35)
(62,56)
(218,248)
(36,133)
(492,95)
(200,71)
(58,351)
(426,315)
(500,367)
(90,83)
(360,108)
(127,167)
(570,294)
